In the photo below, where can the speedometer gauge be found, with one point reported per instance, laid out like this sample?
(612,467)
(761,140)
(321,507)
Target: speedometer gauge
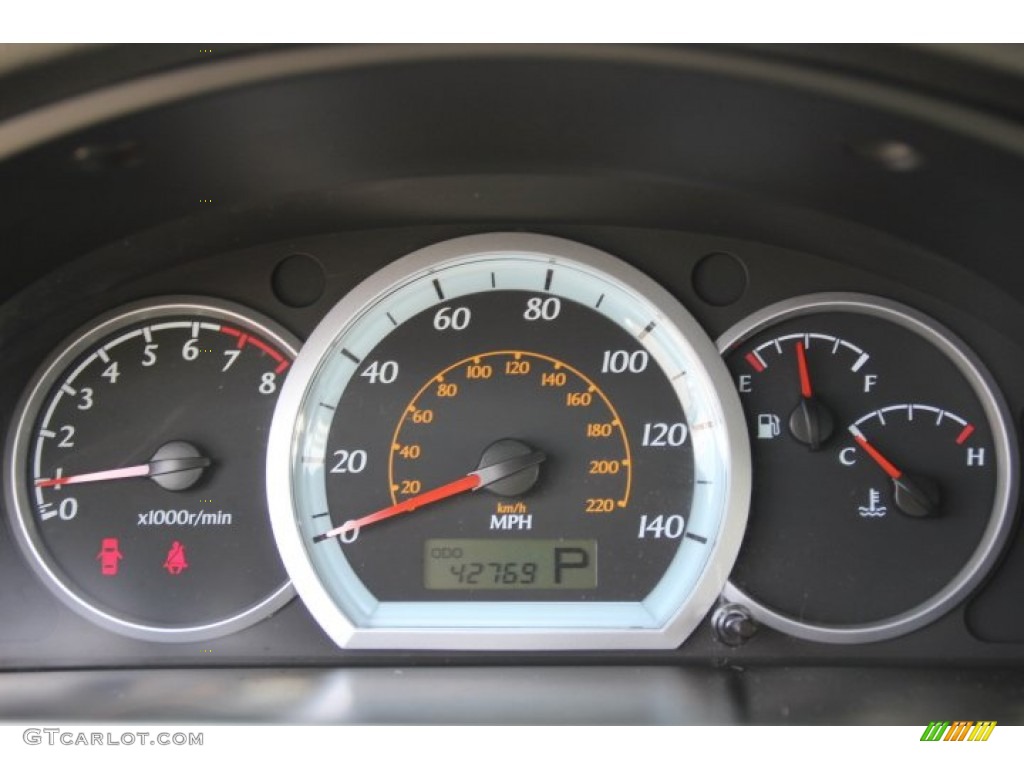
(508,441)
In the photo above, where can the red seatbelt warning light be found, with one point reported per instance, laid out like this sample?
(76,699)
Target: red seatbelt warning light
(109,557)
(176,562)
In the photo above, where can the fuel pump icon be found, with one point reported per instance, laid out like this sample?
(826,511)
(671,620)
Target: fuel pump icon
(767,426)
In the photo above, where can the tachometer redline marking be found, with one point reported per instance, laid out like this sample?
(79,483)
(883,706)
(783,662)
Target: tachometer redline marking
(242,337)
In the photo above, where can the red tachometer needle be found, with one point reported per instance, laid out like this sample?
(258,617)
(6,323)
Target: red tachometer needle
(172,458)
(475,480)
(887,466)
(139,470)
(805,375)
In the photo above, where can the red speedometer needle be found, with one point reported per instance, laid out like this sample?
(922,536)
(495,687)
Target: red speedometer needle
(474,481)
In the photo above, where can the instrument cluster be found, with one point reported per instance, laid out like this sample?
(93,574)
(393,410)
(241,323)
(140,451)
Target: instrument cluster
(399,355)
(519,443)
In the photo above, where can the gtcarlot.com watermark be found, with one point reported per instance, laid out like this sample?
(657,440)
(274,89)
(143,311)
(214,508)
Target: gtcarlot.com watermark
(54,737)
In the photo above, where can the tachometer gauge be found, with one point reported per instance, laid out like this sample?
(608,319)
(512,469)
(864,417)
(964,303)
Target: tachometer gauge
(135,469)
(883,467)
(508,441)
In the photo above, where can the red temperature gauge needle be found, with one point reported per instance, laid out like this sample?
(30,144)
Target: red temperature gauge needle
(474,481)
(914,496)
(887,466)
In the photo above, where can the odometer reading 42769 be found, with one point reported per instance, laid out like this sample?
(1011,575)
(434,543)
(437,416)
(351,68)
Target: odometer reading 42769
(508,437)
(510,564)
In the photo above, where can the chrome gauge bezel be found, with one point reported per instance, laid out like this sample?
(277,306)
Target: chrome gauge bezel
(996,411)
(561,625)
(18,446)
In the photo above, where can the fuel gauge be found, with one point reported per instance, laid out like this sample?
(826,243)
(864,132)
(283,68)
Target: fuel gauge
(881,457)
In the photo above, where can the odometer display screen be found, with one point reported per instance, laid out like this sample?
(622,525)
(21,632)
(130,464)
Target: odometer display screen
(510,564)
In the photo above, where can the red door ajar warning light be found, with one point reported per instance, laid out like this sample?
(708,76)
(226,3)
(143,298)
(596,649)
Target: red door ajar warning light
(109,557)
(176,562)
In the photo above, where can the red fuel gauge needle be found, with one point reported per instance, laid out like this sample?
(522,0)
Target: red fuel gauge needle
(811,422)
(474,481)
(805,374)
(915,496)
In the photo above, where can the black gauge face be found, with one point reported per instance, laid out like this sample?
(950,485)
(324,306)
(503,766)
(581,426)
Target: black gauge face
(502,387)
(505,440)
(881,458)
(138,476)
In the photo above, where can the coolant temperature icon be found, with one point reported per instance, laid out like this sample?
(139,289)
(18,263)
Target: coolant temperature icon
(176,562)
(874,508)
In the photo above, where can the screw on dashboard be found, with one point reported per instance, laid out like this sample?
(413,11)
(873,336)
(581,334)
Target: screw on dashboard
(733,625)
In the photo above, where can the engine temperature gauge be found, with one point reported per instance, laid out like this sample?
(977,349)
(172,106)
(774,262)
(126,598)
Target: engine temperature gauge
(882,467)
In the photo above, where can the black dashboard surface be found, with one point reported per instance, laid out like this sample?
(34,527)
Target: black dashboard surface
(813,171)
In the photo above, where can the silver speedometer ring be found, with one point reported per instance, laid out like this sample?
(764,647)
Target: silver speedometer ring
(508,441)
